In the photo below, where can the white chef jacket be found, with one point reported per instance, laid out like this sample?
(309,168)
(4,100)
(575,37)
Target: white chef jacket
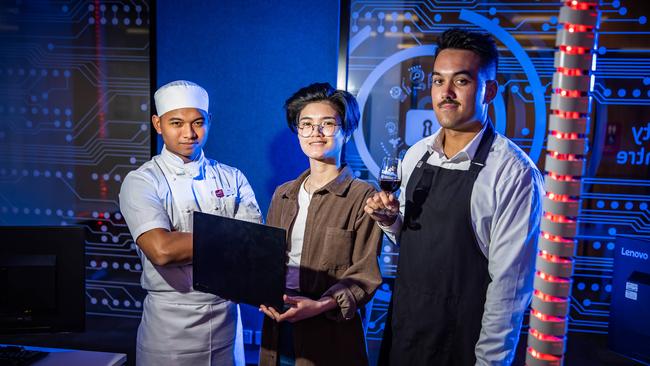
(181,326)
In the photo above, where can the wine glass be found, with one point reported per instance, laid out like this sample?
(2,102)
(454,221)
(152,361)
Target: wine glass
(390,176)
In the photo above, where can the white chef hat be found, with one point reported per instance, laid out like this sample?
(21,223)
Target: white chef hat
(180,94)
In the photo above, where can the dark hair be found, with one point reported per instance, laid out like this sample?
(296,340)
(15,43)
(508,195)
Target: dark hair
(342,101)
(480,43)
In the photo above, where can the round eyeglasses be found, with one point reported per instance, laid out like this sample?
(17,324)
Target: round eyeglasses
(328,128)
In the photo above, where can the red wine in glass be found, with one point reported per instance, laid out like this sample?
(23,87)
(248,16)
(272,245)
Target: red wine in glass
(389,185)
(390,175)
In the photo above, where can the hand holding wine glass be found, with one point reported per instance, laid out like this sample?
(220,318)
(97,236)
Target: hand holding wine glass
(383,206)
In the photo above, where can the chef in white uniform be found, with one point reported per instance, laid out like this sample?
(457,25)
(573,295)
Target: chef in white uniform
(181,326)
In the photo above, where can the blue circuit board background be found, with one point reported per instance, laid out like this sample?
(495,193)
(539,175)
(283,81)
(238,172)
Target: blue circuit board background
(390,61)
(74,111)
(74,119)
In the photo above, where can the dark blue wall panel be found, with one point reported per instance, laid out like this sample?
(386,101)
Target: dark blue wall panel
(250,56)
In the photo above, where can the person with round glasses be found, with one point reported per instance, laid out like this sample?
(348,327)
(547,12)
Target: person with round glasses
(332,245)
(328,128)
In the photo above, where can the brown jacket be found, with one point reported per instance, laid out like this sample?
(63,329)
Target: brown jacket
(339,259)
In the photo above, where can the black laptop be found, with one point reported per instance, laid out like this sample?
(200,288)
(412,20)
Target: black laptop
(238,260)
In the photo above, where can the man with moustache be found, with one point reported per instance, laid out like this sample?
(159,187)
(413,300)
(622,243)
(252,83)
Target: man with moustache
(467,222)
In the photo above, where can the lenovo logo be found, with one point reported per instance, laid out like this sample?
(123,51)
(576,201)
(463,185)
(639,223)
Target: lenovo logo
(634,254)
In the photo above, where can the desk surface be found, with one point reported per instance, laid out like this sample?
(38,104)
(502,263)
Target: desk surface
(71,357)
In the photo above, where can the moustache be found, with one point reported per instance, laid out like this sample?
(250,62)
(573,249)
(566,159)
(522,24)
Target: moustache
(449,101)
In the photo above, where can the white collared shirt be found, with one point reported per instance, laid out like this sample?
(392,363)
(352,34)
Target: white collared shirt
(164,192)
(506,208)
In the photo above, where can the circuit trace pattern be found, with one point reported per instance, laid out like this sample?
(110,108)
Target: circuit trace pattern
(74,112)
(389,69)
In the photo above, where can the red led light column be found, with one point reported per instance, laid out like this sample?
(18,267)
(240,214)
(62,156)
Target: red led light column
(565,161)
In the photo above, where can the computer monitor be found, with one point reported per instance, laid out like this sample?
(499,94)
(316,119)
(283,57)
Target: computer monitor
(629,321)
(42,279)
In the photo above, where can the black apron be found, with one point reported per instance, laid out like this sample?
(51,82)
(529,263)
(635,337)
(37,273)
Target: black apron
(442,275)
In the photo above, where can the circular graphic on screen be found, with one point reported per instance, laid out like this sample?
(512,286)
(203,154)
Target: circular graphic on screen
(395,102)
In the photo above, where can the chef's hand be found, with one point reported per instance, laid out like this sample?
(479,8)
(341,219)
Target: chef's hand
(300,308)
(382,207)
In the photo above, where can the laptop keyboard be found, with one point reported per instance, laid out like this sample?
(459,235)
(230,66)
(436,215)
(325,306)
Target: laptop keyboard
(19,356)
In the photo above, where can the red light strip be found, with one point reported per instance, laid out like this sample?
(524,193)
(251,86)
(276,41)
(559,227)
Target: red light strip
(544,337)
(577,28)
(555,238)
(558,218)
(574,50)
(568,157)
(568,114)
(548,298)
(542,356)
(570,93)
(553,258)
(549,278)
(579,5)
(545,317)
(563,178)
(566,136)
(570,72)
(560,197)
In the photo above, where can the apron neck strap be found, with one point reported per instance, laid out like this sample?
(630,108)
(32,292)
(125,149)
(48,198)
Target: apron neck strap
(423,161)
(483,149)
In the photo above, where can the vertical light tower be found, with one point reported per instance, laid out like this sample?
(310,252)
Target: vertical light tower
(565,163)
